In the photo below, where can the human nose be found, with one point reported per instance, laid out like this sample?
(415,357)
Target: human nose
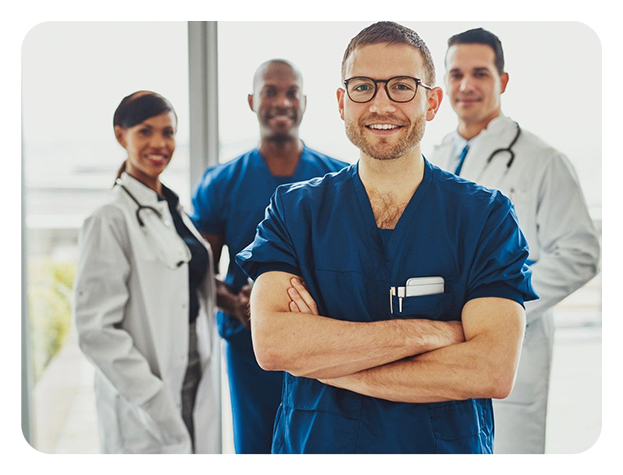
(466,84)
(284,101)
(158,141)
(381,102)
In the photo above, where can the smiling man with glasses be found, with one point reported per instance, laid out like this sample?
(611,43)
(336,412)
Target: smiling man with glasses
(390,292)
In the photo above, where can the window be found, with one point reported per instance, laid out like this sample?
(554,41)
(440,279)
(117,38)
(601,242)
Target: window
(74,76)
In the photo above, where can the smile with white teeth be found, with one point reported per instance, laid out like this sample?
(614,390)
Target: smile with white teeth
(157,157)
(383,126)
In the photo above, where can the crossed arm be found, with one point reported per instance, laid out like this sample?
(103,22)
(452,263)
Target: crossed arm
(306,344)
(379,358)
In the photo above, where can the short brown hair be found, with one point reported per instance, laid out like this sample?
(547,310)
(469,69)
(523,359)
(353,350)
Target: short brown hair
(481,36)
(392,34)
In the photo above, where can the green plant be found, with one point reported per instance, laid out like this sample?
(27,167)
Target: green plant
(49,308)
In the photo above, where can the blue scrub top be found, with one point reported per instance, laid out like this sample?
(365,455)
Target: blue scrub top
(231,200)
(324,230)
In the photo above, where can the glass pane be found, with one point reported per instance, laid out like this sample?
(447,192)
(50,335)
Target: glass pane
(74,76)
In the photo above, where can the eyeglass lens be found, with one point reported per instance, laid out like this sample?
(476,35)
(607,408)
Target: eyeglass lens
(399,89)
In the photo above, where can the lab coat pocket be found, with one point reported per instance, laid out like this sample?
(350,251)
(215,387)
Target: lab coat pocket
(141,434)
(430,307)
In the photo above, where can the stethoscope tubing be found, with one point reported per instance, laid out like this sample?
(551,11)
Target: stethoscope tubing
(141,207)
(508,149)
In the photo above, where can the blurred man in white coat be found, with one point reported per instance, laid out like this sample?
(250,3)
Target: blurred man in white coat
(493,150)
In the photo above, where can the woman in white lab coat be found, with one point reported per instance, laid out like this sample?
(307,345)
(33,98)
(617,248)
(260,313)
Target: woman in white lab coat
(144,300)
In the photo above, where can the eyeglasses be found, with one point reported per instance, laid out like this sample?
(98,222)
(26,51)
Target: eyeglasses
(399,89)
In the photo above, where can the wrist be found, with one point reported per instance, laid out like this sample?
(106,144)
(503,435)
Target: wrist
(426,335)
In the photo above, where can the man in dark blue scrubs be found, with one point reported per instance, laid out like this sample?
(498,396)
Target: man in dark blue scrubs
(411,315)
(228,203)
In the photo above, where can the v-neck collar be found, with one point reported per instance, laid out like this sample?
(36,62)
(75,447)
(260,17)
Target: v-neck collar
(281,179)
(406,219)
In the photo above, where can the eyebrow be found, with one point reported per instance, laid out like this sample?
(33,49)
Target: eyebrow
(475,70)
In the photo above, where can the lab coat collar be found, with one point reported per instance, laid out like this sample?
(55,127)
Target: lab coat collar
(494,126)
(144,194)
(497,126)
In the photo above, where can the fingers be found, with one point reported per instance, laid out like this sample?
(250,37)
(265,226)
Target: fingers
(297,300)
(243,312)
(300,291)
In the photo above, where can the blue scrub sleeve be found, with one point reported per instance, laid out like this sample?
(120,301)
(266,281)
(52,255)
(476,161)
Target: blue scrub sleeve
(499,268)
(272,249)
(209,209)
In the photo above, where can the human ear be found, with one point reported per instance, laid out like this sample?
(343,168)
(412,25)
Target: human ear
(341,93)
(504,77)
(120,135)
(433,101)
(250,101)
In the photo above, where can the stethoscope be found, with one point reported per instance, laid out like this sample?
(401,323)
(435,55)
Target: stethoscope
(508,149)
(167,254)
(141,207)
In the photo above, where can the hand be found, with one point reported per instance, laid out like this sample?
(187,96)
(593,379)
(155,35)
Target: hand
(242,306)
(300,299)
(455,331)
(164,420)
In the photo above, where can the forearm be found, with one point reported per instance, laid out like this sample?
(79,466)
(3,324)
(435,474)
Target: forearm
(452,373)
(482,367)
(319,347)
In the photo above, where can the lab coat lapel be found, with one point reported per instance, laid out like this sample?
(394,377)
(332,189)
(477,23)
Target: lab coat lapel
(498,134)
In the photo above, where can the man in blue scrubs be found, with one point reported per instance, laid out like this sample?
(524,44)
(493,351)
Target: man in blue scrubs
(228,203)
(374,365)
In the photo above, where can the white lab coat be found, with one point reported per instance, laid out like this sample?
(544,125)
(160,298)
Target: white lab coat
(564,247)
(131,314)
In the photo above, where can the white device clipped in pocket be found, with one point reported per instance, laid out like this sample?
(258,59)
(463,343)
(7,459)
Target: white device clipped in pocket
(418,286)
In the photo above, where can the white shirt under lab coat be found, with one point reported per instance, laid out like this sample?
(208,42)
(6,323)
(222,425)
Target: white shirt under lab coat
(131,311)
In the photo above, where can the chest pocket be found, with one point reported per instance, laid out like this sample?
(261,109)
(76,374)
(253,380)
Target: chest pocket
(430,307)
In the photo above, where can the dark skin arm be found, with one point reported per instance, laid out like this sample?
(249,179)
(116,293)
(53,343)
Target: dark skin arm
(226,299)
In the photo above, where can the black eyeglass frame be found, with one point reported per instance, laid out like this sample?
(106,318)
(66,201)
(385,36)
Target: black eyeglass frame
(418,83)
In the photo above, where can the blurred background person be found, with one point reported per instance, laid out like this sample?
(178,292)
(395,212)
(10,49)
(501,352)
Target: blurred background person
(144,300)
(493,150)
(228,204)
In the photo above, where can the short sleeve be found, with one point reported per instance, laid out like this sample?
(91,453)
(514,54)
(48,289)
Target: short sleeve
(499,267)
(272,249)
(208,204)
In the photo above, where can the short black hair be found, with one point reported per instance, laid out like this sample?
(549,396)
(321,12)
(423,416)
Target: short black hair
(393,34)
(482,37)
(140,106)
